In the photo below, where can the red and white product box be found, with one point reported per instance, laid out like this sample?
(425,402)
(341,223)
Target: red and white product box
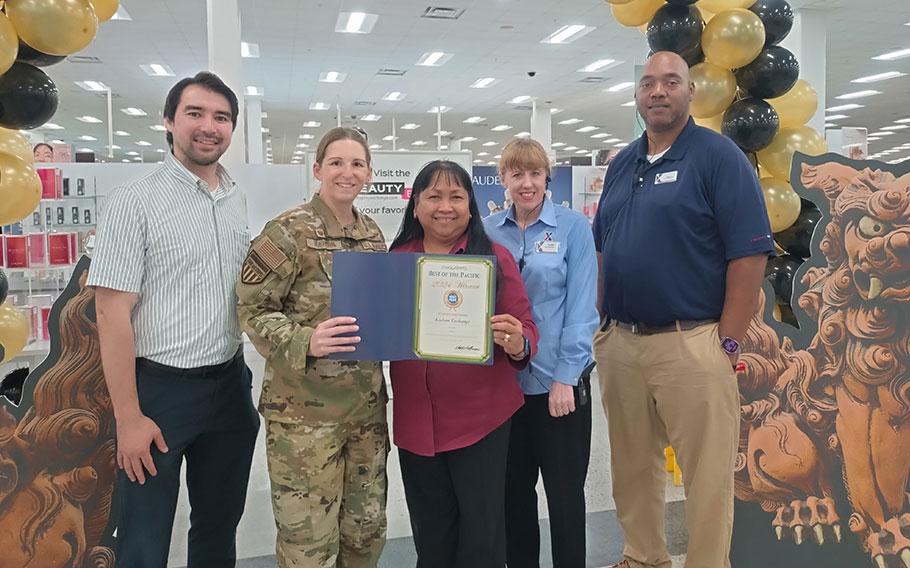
(16,251)
(31,316)
(2,251)
(59,247)
(74,247)
(51,183)
(37,249)
(45,316)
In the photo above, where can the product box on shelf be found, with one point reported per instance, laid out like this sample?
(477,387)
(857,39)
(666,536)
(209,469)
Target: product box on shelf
(37,249)
(61,248)
(51,183)
(16,251)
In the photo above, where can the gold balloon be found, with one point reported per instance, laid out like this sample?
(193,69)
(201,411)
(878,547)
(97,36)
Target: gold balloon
(717,6)
(715,88)
(712,122)
(775,312)
(782,203)
(796,106)
(13,142)
(20,189)
(706,15)
(636,12)
(618,1)
(105,9)
(733,38)
(55,27)
(9,44)
(13,331)
(777,156)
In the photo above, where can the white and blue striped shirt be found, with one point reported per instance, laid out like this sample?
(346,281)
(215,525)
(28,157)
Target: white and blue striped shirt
(177,245)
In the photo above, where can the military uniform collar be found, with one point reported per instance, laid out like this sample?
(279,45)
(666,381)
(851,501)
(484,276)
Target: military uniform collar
(360,230)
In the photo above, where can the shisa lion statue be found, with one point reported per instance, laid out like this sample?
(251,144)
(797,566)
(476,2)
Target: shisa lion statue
(841,406)
(57,460)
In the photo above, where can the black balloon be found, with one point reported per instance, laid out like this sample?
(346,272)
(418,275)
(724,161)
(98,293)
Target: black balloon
(771,74)
(780,272)
(30,55)
(751,123)
(28,97)
(678,29)
(797,238)
(681,2)
(4,287)
(777,16)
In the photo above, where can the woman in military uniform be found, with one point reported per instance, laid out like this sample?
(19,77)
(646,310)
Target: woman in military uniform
(327,437)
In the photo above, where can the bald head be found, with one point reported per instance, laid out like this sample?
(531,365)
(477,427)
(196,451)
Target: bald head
(664,92)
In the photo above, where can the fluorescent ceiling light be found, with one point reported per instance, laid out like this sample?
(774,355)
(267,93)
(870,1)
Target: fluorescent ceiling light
(478,161)
(620,87)
(434,59)
(311,124)
(501,128)
(93,86)
(264,115)
(586,129)
(121,133)
(88,119)
(85,150)
(389,138)
(628,104)
(143,143)
(879,77)
(442,133)
(557,144)
(50,126)
(473,119)
(569,121)
(112,147)
(567,34)
(393,96)
(303,145)
(87,138)
(522,135)
(332,77)
(836,117)
(600,135)
(320,106)
(612,140)
(468,139)
(157,70)
(375,146)
(132,153)
(483,153)
(848,106)
(581,151)
(254,91)
(306,137)
(858,94)
(555,111)
(418,143)
(484,83)
(570,148)
(158,127)
(902,121)
(892,55)
(490,143)
(896,127)
(371,117)
(621,145)
(249,50)
(882,133)
(598,65)
(519,99)
(439,109)
(355,22)
(133,111)
(410,126)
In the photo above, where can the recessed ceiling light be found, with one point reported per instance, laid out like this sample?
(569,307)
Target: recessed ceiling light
(519,99)
(133,111)
(306,136)
(478,161)
(143,143)
(87,138)
(858,94)
(892,55)
(598,65)
(483,153)
(836,117)
(468,139)
(620,87)
(249,50)
(132,153)
(393,96)
(879,77)
(567,34)
(439,109)
(434,59)
(569,121)
(93,86)
(50,126)
(410,126)
(490,143)
(473,119)
(157,70)
(375,146)
(371,117)
(522,135)
(848,106)
(896,127)
(311,124)
(320,106)
(88,119)
(557,144)
(332,77)
(628,104)
(586,129)
(484,83)
(600,135)
(555,110)
(501,128)
(570,148)
(389,138)
(303,145)
(355,22)
(124,160)
(418,143)
(121,133)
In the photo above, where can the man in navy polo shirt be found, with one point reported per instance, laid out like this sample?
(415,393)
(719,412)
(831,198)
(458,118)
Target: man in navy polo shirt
(682,236)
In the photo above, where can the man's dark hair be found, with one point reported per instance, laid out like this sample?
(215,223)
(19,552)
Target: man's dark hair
(204,79)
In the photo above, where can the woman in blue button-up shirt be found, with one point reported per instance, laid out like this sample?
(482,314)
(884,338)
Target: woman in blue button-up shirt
(551,433)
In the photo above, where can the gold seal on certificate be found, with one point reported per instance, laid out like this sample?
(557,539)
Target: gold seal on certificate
(454,307)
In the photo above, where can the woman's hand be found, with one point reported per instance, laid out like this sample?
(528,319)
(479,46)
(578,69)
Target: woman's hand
(325,340)
(508,334)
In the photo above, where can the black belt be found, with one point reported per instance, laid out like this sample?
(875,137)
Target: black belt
(206,372)
(645,329)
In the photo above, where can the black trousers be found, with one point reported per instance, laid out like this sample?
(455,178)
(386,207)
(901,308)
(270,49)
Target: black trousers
(559,448)
(208,419)
(456,503)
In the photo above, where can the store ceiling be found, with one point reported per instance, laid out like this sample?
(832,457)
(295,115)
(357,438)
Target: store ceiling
(492,38)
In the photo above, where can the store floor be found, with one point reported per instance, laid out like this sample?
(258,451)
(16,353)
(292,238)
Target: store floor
(256,535)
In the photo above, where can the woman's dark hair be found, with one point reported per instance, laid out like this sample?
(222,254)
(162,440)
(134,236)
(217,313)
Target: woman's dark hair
(478,241)
(204,79)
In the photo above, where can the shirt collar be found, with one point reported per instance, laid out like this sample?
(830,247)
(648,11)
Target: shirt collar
(360,230)
(676,151)
(175,167)
(547,214)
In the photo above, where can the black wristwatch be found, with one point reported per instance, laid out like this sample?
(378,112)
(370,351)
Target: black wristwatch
(525,350)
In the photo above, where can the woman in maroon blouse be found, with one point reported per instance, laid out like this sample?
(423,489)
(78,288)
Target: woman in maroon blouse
(451,420)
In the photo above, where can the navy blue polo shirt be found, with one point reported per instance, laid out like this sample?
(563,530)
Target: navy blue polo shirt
(666,241)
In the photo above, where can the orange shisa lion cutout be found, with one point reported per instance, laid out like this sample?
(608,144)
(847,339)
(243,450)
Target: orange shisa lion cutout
(57,459)
(841,406)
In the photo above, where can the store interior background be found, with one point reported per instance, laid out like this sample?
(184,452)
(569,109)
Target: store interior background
(298,77)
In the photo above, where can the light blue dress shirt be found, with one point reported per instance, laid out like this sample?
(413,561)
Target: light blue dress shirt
(560,277)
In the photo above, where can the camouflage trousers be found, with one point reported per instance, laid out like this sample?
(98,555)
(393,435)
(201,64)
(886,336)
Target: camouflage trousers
(329,492)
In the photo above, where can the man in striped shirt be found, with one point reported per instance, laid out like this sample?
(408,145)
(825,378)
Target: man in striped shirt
(168,252)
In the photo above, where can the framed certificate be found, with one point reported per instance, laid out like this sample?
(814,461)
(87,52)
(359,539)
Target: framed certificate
(453,306)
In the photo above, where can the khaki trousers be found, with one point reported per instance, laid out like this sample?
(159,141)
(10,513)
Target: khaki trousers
(674,388)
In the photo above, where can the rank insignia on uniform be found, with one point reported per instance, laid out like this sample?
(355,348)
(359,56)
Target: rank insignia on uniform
(254,270)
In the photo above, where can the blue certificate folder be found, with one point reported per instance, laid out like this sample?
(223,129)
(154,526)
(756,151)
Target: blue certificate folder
(380,290)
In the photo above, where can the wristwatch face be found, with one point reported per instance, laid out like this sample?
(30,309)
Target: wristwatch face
(729,345)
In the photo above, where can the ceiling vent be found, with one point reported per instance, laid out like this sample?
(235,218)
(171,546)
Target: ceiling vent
(391,72)
(83,59)
(364,103)
(593,79)
(522,107)
(441,13)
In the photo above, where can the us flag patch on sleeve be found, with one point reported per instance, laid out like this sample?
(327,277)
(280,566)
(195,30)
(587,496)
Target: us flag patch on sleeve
(264,257)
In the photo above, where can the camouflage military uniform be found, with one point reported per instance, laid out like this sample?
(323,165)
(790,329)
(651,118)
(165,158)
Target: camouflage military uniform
(327,437)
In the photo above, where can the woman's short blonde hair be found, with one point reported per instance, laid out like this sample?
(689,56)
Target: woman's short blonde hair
(524,154)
